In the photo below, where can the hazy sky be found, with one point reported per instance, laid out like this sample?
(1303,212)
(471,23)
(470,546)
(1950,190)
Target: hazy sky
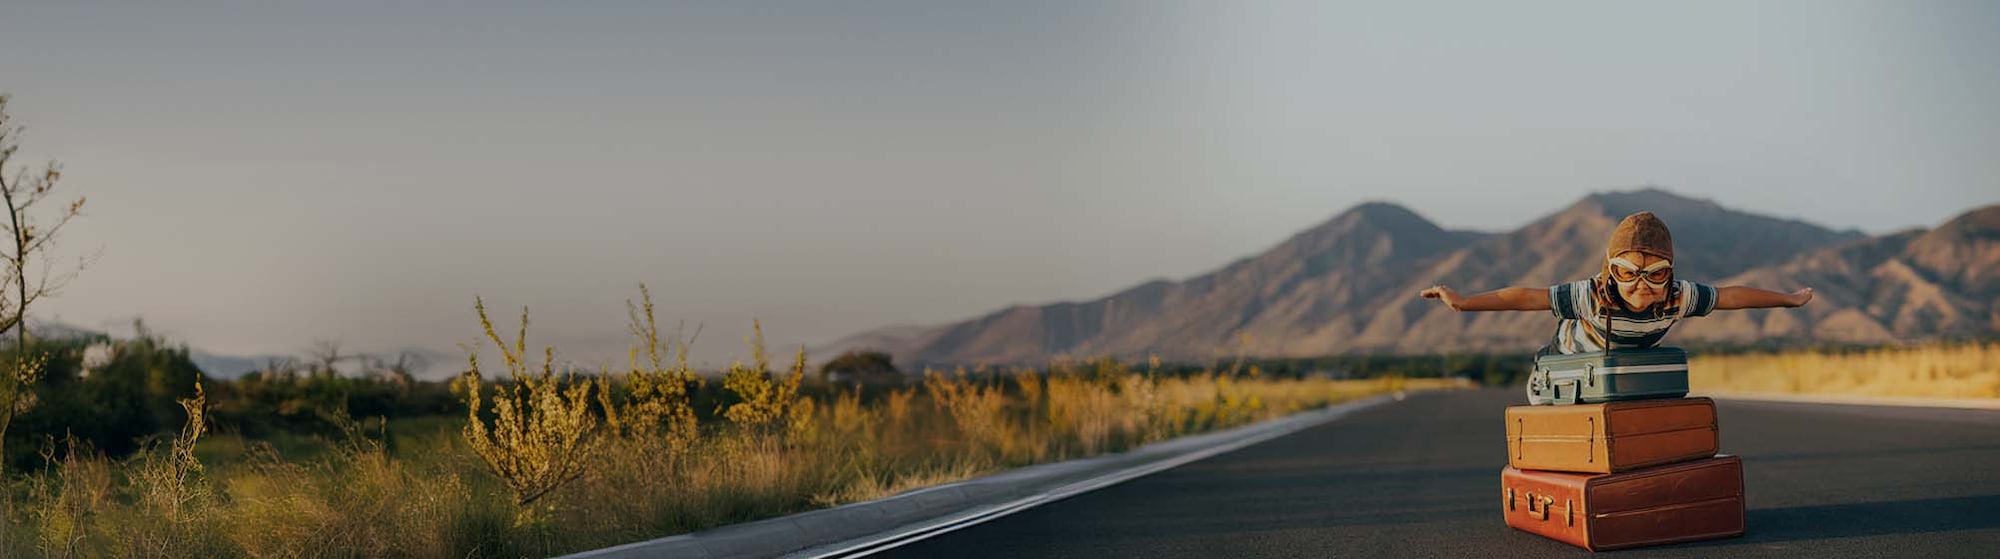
(262,176)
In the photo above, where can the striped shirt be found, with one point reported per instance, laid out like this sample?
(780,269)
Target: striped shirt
(1582,327)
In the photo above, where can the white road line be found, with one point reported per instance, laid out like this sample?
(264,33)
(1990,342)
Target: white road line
(981,515)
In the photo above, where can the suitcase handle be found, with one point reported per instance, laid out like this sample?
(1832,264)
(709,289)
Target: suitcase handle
(1545,503)
(1556,391)
(1543,380)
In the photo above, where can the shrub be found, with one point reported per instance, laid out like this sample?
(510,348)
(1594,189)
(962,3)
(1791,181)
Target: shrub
(541,432)
(659,403)
(764,404)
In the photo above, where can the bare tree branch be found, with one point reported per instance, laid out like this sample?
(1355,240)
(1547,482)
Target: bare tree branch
(328,354)
(21,195)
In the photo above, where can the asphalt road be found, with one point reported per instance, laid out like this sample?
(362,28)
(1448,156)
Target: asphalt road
(1421,478)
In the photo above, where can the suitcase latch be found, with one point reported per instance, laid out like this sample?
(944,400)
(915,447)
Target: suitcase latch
(1539,505)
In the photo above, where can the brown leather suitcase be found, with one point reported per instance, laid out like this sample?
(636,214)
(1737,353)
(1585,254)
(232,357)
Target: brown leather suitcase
(1610,437)
(1688,501)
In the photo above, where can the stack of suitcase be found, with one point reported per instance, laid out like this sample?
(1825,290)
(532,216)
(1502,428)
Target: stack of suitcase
(1613,455)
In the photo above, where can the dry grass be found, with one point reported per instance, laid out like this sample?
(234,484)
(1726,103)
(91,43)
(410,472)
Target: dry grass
(361,501)
(1930,371)
(644,472)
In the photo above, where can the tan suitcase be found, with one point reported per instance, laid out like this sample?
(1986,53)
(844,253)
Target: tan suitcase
(1610,437)
(1683,502)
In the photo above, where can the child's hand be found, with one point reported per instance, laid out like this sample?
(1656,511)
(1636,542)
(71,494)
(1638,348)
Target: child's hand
(1801,297)
(1442,293)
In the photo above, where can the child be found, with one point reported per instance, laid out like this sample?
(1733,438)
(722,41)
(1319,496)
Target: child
(1635,293)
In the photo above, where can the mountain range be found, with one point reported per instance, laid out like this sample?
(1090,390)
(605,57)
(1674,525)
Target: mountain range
(1349,285)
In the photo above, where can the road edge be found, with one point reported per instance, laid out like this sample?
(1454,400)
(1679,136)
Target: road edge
(860,528)
(1951,403)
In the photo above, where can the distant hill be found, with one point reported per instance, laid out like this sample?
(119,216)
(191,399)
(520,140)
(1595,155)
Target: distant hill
(1350,285)
(1906,285)
(435,365)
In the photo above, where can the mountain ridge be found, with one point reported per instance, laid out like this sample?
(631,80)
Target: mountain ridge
(1348,284)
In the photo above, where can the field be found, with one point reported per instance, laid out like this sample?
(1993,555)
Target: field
(1966,370)
(548,462)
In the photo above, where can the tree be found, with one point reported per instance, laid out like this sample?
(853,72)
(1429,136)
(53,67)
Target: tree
(27,240)
(279,368)
(861,367)
(400,373)
(326,356)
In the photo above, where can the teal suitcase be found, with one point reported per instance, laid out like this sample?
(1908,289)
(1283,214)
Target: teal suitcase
(1608,376)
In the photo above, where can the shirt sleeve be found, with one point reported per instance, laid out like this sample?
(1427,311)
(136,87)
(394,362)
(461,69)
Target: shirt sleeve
(1571,300)
(1698,299)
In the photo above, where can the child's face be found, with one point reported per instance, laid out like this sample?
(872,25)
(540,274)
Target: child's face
(1639,294)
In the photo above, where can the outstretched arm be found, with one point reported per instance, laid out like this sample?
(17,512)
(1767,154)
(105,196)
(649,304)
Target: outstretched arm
(1503,299)
(1740,297)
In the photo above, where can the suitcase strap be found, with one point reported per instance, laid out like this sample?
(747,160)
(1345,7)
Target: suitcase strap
(1539,505)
